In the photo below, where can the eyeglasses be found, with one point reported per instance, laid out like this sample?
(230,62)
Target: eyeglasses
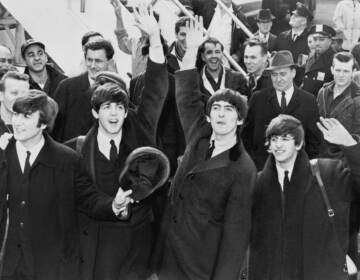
(7,60)
(282,138)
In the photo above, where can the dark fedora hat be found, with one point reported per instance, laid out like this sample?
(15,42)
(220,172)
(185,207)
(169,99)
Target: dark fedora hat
(264,15)
(281,59)
(302,11)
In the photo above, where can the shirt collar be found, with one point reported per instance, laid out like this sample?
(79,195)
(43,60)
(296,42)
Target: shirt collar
(102,138)
(289,92)
(34,150)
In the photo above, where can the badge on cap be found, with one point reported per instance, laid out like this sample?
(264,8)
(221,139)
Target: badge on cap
(319,28)
(320,76)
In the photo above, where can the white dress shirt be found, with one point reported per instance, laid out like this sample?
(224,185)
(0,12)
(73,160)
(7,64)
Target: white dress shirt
(288,94)
(281,174)
(222,146)
(104,143)
(34,152)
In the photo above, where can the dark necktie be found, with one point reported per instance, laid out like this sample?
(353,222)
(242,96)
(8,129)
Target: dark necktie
(286,183)
(294,37)
(210,150)
(113,151)
(27,163)
(252,82)
(283,101)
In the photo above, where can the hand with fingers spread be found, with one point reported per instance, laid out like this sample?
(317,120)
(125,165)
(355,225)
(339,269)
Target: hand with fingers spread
(194,33)
(145,20)
(334,132)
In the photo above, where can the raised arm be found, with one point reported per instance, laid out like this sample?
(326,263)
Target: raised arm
(188,96)
(156,76)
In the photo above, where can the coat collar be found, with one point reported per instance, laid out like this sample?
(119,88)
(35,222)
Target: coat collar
(351,92)
(301,170)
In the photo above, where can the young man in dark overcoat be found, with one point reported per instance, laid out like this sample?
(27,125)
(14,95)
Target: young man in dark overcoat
(208,216)
(294,233)
(42,186)
(121,249)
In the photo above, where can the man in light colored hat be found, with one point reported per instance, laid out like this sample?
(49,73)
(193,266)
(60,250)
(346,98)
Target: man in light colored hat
(317,68)
(264,20)
(42,76)
(283,98)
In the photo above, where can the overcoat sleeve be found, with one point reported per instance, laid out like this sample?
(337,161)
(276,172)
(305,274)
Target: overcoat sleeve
(189,102)
(153,97)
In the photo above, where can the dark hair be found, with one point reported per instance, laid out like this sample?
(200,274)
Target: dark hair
(344,57)
(12,75)
(100,45)
(37,100)
(284,125)
(256,42)
(181,22)
(108,92)
(85,38)
(199,64)
(236,99)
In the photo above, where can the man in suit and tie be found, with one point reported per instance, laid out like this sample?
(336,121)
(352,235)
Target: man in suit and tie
(73,94)
(264,20)
(283,98)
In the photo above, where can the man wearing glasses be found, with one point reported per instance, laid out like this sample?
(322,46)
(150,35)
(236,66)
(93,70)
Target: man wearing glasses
(283,98)
(6,57)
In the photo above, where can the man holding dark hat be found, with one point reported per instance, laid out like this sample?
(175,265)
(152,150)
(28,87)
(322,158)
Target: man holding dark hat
(318,66)
(121,249)
(283,98)
(42,76)
(264,20)
(295,39)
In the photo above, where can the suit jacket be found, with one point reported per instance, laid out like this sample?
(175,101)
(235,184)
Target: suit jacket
(323,249)
(208,215)
(233,80)
(317,72)
(74,118)
(264,106)
(347,112)
(206,9)
(58,177)
(54,78)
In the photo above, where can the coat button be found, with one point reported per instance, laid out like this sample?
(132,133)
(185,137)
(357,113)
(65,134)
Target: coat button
(21,224)
(23,203)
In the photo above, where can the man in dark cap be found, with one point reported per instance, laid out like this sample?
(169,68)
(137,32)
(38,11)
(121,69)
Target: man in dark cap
(42,76)
(295,39)
(283,98)
(264,20)
(318,66)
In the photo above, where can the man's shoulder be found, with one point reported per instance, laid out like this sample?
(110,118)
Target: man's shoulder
(284,34)
(83,77)
(304,95)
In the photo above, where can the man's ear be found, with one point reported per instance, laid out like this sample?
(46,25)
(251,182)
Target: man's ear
(95,114)
(1,96)
(208,119)
(203,57)
(43,126)
(298,147)
(240,122)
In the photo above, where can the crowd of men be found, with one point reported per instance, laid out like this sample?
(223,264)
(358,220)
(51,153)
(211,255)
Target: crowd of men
(264,167)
